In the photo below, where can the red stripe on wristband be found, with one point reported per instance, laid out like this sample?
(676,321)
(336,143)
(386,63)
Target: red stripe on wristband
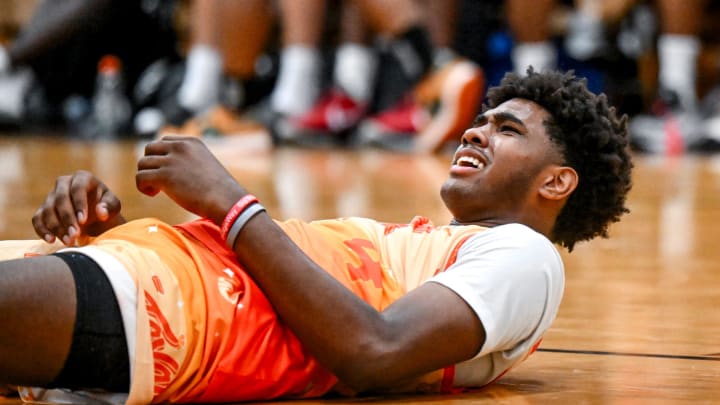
(237,209)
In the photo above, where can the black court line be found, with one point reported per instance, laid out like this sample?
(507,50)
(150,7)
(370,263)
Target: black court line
(630,354)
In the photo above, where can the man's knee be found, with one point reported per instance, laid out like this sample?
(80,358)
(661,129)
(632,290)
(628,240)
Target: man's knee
(98,355)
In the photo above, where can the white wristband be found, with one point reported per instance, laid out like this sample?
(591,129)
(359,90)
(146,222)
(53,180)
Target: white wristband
(240,222)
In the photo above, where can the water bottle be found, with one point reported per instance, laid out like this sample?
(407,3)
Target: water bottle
(111,108)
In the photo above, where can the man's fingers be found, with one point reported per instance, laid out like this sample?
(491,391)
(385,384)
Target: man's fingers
(67,227)
(146,181)
(155,148)
(108,205)
(45,221)
(40,229)
(171,137)
(162,146)
(52,226)
(152,162)
(80,186)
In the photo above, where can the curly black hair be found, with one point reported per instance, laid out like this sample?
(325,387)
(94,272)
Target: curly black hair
(593,140)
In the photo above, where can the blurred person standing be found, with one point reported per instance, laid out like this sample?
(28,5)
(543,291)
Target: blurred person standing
(389,70)
(674,124)
(56,53)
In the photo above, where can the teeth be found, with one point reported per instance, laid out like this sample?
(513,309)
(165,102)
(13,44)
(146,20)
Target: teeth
(467,160)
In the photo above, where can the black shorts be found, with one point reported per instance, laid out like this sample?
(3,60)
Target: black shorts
(98,357)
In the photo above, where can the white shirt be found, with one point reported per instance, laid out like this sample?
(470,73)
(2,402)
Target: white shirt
(513,278)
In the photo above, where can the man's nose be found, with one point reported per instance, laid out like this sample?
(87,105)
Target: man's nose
(475,136)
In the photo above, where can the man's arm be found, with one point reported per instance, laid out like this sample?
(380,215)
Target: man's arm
(428,329)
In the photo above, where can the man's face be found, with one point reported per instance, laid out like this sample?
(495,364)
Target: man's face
(494,173)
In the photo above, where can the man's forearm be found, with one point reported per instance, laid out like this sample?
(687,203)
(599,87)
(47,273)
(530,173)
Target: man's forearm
(327,317)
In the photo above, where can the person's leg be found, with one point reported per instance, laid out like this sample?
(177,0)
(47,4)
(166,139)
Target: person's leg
(355,61)
(528,21)
(585,36)
(299,80)
(37,317)
(407,50)
(441,20)
(455,90)
(391,18)
(227,37)
(204,62)
(63,42)
(349,94)
(447,99)
(679,48)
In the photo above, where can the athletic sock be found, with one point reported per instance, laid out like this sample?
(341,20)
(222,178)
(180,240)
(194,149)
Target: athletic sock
(299,80)
(203,75)
(355,70)
(443,55)
(414,51)
(405,59)
(14,87)
(540,55)
(677,57)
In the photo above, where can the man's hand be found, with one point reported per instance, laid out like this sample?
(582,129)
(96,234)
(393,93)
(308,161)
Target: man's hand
(189,173)
(79,204)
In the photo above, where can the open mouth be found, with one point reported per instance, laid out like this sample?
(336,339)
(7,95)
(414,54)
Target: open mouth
(469,161)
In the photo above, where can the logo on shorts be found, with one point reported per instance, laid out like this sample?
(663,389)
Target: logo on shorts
(161,335)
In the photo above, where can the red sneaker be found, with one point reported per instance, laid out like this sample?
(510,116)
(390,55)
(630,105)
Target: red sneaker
(395,128)
(324,124)
(439,109)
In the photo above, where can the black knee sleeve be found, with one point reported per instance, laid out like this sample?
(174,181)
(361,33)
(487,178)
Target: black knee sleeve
(98,357)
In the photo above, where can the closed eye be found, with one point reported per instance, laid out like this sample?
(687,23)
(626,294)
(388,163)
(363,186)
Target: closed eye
(509,128)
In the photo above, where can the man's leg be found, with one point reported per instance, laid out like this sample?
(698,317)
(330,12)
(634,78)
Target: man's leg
(61,325)
(37,317)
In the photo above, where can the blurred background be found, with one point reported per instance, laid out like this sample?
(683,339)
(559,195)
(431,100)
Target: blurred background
(317,73)
(349,108)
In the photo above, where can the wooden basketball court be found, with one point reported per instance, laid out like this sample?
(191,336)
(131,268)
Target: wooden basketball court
(640,319)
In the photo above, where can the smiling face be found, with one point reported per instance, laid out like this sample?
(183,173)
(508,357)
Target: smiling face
(500,165)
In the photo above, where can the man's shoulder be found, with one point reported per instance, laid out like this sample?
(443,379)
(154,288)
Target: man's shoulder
(511,239)
(513,232)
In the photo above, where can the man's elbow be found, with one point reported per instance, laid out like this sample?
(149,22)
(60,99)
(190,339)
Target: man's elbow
(368,369)
(360,381)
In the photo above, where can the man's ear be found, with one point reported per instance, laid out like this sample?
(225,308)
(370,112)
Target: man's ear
(559,182)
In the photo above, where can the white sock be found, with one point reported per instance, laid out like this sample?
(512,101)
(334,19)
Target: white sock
(540,55)
(354,71)
(443,56)
(586,30)
(677,58)
(298,83)
(13,87)
(4,60)
(200,88)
